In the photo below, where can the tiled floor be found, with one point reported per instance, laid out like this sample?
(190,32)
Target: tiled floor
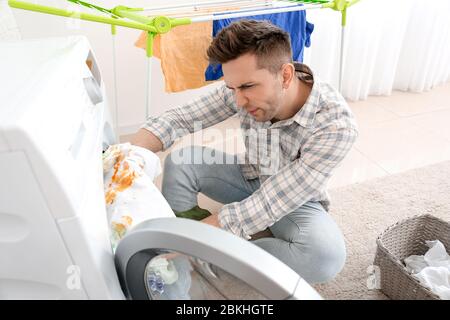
(397,133)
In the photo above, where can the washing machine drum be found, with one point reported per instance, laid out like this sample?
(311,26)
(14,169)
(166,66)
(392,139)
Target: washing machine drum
(176,258)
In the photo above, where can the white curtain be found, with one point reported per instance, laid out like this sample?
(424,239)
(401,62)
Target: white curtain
(389,45)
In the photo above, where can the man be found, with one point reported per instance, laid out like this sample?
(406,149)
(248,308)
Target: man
(313,130)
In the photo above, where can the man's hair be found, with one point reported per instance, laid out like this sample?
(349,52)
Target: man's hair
(270,44)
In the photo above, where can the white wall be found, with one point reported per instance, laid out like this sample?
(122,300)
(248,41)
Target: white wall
(131,61)
(8,26)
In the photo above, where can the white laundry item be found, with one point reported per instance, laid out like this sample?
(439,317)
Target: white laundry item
(437,256)
(151,163)
(130,194)
(165,268)
(415,264)
(432,269)
(159,281)
(437,279)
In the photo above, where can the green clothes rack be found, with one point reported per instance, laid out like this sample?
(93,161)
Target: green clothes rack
(161,19)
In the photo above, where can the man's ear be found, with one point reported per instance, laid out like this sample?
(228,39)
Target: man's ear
(288,73)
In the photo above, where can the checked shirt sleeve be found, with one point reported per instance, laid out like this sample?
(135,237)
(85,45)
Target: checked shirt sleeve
(201,113)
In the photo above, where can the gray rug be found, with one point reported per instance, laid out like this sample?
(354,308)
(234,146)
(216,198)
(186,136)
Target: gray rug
(366,209)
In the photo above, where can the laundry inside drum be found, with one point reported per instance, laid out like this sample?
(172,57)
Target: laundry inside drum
(176,276)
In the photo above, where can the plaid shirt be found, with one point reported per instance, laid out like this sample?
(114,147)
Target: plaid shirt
(293,158)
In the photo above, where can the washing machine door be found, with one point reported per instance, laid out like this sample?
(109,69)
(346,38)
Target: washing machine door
(176,258)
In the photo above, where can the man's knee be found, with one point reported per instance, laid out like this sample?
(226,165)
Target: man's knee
(321,245)
(330,262)
(327,258)
(314,262)
(318,239)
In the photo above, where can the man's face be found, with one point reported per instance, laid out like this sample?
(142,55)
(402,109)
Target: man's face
(258,91)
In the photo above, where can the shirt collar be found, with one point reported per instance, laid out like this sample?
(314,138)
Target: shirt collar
(305,116)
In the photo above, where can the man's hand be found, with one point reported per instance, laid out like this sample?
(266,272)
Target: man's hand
(212,220)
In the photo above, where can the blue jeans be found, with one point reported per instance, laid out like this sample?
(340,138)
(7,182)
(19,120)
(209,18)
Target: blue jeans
(307,239)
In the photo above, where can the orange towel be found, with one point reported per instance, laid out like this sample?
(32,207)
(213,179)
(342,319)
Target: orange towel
(182,52)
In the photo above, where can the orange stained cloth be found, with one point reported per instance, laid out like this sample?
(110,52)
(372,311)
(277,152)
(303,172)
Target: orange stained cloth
(182,52)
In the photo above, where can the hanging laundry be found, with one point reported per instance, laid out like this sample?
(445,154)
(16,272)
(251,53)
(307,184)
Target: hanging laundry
(295,23)
(182,52)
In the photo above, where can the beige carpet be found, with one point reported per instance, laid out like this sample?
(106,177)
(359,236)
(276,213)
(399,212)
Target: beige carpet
(366,209)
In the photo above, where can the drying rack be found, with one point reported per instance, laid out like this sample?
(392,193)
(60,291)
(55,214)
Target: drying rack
(161,19)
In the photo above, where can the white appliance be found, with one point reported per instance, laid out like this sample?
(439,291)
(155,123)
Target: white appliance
(54,241)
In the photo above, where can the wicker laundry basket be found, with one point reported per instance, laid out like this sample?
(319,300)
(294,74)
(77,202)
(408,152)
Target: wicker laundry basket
(398,242)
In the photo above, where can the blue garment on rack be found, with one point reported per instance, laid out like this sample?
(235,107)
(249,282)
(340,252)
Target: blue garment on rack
(292,22)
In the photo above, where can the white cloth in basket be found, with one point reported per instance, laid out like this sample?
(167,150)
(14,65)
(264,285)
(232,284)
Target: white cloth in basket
(432,269)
